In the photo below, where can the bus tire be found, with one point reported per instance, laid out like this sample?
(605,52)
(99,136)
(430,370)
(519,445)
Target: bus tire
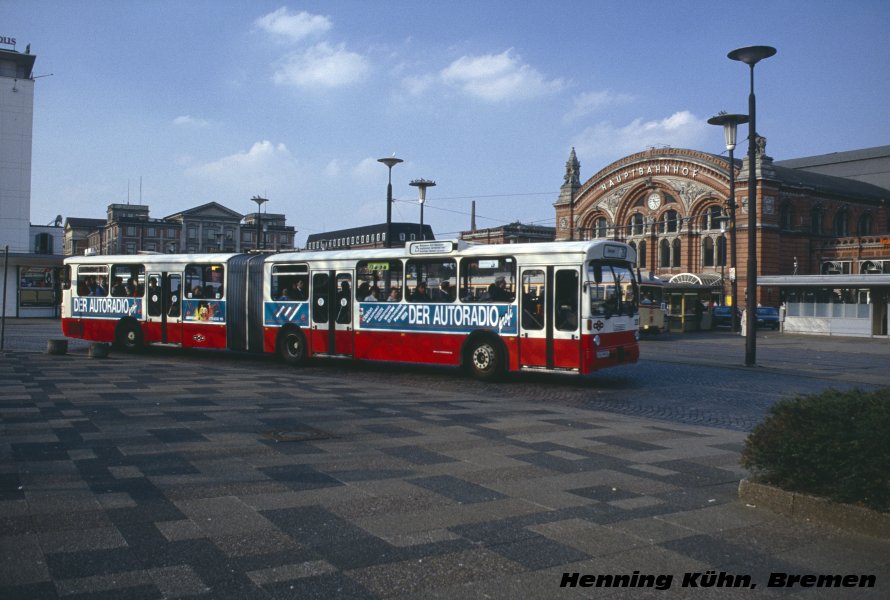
(128,336)
(292,346)
(485,358)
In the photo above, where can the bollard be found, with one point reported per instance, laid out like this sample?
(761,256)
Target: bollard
(57,346)
(98,350)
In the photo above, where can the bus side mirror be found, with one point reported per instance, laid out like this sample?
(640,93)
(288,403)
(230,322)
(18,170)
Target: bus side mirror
(598,273)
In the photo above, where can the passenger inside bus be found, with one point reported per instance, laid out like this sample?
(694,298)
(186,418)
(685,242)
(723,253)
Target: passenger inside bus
(118,289)
(420,293)
(497,291)
(395,295)
(446,292)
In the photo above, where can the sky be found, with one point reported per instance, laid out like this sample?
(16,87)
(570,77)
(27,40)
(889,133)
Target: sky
(176,104)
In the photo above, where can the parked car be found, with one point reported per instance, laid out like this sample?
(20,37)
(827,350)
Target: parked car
(722,317)
(768,317)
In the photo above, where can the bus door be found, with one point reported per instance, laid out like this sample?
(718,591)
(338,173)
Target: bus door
(164,302)
(535,329)
(566,318)
(332,313)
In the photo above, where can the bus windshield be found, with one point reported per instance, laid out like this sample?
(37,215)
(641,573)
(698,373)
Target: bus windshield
(606,296)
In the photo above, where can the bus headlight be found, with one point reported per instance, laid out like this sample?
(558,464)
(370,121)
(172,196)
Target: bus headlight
(637,335)
(596,340)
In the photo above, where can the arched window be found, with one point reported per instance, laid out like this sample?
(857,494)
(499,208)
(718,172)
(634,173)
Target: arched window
(641,255)
(707,252)
(600,227)
(712,220)
(864,225)
(675,262)
(721,251)
(668,221)
(636,224)
(841,222)
(664,252)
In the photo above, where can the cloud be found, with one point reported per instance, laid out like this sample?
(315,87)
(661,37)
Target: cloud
(417,85)
(605,141)
(190,121)
(293,26)
(495,77)
(266,166)
(589,102)
(321,66)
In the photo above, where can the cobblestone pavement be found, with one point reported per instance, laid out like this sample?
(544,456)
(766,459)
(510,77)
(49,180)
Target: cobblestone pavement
(208,475)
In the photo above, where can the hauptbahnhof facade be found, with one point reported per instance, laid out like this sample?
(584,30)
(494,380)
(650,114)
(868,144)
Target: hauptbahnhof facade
(671,204)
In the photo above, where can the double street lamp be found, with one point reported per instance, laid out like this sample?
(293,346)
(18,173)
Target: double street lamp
(421,185)
(730,125)
(751,55)
(390,162)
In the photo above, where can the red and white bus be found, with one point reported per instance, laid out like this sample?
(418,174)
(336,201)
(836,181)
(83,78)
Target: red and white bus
(555,307)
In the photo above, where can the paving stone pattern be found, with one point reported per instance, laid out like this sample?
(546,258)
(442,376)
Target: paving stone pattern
(180,476)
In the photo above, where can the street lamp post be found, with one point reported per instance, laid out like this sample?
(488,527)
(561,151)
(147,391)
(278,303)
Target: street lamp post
(259,202)
(730,125)
(751,55)
(421,185)
(390,163)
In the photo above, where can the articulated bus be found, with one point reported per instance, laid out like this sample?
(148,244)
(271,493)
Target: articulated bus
(555,307)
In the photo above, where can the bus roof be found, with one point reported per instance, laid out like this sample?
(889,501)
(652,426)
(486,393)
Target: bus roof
(148,259)
(582,251)
(455,248)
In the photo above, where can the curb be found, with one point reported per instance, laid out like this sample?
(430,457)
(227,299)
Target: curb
(855,519)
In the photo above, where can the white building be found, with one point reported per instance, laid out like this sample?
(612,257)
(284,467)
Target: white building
(31,255)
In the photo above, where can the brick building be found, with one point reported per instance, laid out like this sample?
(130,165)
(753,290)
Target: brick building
(211,227)
(670,203)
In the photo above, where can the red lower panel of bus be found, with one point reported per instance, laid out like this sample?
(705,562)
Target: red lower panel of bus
(94,330)
(439,349)
(615,349)
(191,335)
(204,335)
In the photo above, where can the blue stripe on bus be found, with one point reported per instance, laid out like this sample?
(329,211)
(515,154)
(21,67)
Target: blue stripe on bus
(282,313)
(457,318)
(105,307)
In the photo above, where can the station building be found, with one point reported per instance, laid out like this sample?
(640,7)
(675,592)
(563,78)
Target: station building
(671,204)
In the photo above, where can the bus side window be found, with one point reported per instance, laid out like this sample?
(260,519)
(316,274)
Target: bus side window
(488,279)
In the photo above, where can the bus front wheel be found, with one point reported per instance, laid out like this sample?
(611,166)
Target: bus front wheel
(486,359)
(128,336)
(292,346)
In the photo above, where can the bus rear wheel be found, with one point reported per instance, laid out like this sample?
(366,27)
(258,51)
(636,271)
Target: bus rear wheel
(292,346)
(486,360)
(128,336)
